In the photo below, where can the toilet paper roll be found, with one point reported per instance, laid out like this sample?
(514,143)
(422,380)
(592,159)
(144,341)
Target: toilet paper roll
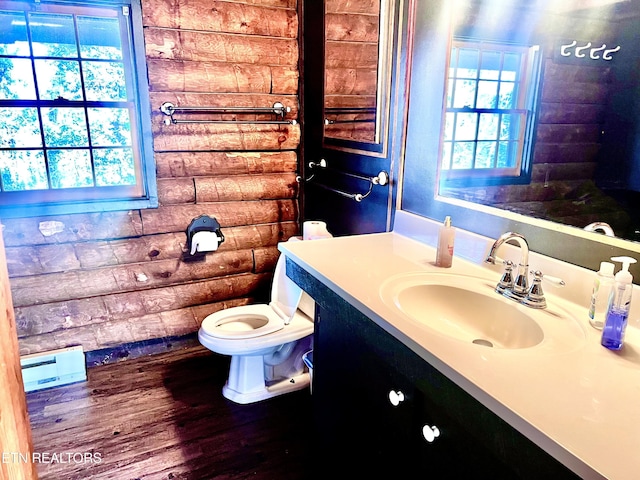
(314,229)
(205,242)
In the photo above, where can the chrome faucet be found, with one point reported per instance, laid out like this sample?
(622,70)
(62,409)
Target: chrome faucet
(520,286)
(518,289)
(605,227)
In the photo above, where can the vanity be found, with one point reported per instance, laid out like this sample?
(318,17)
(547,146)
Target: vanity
(394,394)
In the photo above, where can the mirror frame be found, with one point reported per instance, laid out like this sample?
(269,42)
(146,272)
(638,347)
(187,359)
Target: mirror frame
(418,191)
(379,147)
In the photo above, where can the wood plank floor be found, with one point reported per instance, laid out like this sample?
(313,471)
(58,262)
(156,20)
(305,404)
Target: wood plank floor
(164,417)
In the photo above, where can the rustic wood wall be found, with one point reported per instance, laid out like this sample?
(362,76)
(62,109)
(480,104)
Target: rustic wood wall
(102,280)
(15,432)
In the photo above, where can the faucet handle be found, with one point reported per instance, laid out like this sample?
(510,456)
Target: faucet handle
(555,281)
(496,260)
(535,295)
(506,281)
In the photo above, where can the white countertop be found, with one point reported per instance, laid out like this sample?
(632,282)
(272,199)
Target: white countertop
(581,404)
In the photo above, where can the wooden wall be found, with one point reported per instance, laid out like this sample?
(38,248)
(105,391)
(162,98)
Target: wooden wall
(103,280)
(16,444)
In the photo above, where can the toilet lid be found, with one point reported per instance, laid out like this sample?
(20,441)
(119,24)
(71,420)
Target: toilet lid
(246,321)
(285,294)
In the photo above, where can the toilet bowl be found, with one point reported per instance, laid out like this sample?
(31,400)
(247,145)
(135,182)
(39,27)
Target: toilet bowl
(266,342)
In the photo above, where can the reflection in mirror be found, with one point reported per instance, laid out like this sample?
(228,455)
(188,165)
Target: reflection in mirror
(541,113)
(356,70)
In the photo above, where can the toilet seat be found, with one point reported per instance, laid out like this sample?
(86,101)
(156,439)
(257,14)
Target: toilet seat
(242,322)
(300,326)
(250,321)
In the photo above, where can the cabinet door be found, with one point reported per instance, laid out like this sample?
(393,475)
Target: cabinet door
(360,433)
(445,449)
(420,437)
(358,429)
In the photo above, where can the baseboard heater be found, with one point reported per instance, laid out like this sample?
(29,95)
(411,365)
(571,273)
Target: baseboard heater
(53,368)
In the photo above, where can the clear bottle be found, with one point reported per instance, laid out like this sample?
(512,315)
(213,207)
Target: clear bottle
(618,310)
(600,295)
(444,251)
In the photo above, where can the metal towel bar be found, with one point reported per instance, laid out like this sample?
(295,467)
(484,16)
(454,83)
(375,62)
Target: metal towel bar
(336,111)
(278,109)
(381,179)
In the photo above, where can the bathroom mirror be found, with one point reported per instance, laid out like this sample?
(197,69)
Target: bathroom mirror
(547,160)
(542,120)
(357,74)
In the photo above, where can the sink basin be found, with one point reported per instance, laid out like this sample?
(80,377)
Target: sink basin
(468,309)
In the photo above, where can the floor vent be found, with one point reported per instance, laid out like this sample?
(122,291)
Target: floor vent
(54,368)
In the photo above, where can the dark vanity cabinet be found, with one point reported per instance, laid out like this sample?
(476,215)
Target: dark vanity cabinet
(381,409)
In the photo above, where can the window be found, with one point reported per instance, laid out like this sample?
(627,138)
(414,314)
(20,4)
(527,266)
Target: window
(73,136)
(489,112)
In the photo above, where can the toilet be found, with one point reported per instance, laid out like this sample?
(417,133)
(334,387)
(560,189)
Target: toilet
(266,342)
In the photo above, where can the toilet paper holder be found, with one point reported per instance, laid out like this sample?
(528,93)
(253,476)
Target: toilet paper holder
(203,223)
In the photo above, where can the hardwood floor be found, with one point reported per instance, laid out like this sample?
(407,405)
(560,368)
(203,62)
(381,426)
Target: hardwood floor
(164,417)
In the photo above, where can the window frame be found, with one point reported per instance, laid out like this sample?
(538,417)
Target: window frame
(527,106)
(51,201)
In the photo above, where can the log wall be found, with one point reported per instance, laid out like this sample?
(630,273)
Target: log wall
(106,279)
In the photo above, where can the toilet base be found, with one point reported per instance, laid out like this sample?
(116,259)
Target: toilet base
(272,372)
(263,392)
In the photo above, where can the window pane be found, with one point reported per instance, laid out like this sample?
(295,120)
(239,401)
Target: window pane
(14,29)
(510,128)
(462,155)
(104,81)
(488,128)
(446,155)
(53,35)
(452,62)
(448,125)
(23,170)
(64,127)
(465,94)
(490,67)
(487,94)
(58,79)
(507,95)
(506,154)
(109,127)
(70,168)
(511,67)
(16,79)
(449,93)
(20,128)
(468,63)
(99,38)
(114,166)
(466,124)
(485,154)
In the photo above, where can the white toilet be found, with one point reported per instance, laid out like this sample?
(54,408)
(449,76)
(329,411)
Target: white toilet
(266,342)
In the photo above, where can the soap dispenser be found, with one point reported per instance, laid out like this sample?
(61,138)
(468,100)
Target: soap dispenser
(600,294)
(444,250)
(618,310)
